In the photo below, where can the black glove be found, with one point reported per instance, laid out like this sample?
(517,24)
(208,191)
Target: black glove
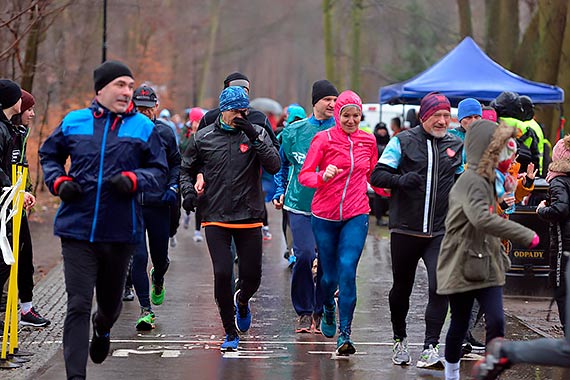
(246,127)
(69,191)
(410,181)
(189,203)
(122,183)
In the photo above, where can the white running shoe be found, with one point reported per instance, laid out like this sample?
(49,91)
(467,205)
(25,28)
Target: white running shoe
(198,237)
(430,358)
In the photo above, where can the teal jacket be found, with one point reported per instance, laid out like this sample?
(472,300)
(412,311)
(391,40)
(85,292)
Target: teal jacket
(296,140)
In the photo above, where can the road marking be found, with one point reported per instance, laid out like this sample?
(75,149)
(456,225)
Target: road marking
(217,342)
(124,353)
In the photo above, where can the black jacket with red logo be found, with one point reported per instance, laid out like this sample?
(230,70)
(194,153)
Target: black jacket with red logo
(231,166)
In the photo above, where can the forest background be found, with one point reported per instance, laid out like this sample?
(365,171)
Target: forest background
(185,48)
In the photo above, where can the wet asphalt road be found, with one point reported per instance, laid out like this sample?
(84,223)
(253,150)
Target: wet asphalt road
(185,343)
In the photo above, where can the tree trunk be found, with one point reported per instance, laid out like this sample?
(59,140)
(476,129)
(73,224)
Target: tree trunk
(328,39)
(465,26)
(31,54)
(563,75)
(492,27)
(551,28)
(355,48)
(525,59)
(502,30)
(214,26)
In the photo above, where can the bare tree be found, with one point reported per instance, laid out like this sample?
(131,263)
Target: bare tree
(465,26)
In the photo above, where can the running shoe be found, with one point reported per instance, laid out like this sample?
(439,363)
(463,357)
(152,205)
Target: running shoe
(243,314)
(265,233)
(400,353)
(430,358)
(198,237)
(344,345)
(475,344)
(304,324)
(146,320)
(230,343)
(157,291)
(33,318)
(328,323)
(128,295)
(317,323)
(100,344)
(494,363)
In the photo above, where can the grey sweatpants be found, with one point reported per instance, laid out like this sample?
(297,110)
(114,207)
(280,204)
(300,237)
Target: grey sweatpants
(550,352)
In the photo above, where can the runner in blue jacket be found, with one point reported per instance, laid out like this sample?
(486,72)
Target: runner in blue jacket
(115,152)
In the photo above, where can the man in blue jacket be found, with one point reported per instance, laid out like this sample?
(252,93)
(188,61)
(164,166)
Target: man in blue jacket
(114,153)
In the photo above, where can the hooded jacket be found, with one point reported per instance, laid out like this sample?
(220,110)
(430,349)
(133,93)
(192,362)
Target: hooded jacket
(102,144)
(231,165)
(345,195)
(473,228)
(295,143)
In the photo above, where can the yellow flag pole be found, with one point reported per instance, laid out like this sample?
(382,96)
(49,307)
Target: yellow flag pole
(22,173)
(11,320)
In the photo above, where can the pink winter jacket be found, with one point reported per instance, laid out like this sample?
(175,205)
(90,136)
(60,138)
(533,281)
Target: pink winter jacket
(345,195)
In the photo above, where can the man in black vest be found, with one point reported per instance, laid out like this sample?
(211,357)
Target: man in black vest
(419,165)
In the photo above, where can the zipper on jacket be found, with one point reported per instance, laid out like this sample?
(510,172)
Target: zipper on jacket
(100,179)
(349,175)
(429,179)
(435,177)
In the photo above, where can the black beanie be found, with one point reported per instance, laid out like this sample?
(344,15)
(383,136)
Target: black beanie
(108,71)
(236,77)
(322,89)
(10,93)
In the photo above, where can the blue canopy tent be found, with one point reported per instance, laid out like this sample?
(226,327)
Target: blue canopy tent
(467,72)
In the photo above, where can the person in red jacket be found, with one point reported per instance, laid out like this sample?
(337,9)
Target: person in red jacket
(338,164)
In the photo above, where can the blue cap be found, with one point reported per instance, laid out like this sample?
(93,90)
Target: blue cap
(469,107)
(233,98)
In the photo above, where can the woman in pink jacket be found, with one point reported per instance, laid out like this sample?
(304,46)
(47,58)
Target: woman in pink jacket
(338,165)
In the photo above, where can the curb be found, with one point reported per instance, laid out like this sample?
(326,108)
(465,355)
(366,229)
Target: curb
(44,342)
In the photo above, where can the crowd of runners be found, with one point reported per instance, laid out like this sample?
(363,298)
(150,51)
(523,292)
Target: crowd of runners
(134,173)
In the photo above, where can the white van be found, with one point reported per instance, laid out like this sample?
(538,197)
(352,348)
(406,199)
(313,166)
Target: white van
(373,111)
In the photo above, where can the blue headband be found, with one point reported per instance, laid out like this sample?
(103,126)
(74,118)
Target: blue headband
(233,98)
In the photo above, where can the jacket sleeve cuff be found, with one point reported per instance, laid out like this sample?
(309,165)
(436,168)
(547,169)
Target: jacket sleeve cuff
(133,177)
(59,181)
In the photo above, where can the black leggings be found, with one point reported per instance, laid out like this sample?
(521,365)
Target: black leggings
(406,251)
(248,242)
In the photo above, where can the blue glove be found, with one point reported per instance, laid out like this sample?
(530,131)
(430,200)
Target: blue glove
(170,196)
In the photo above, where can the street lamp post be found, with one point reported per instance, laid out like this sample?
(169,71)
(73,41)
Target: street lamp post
(104,31)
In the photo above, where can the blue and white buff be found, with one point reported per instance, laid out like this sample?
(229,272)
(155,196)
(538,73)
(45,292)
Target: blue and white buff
(233,98)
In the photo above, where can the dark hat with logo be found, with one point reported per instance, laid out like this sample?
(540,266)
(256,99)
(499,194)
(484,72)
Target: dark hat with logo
(10,93)
(144,96)
(322,89)
(108,71)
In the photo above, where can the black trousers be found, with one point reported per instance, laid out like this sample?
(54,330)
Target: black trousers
(406,251)
(25,264)
(86,265)
(248,243)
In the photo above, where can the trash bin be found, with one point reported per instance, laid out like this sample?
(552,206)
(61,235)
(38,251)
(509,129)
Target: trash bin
(530,268)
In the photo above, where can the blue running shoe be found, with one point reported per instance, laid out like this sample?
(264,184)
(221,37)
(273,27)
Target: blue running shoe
(344,345)
(328,323)
(243,314)
(230,343)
